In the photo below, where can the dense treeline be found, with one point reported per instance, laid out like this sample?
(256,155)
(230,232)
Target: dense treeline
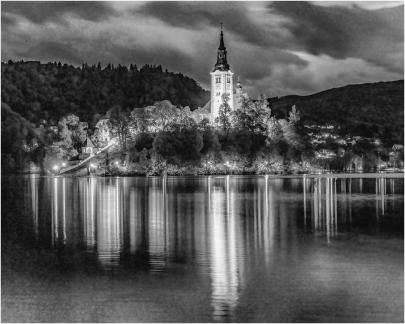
(165,138)
(49,91)
(152,115)
(368,110)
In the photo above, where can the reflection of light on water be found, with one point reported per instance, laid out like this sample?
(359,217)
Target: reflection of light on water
(325,201)
(64,209)
(34,202)
(224,278)
(380,184)
(89,212)
(109,222)
(157,226)
(324,207)
(269,215)
(137,210)
(58,214)
(132,222)
(304,189)
(55,226)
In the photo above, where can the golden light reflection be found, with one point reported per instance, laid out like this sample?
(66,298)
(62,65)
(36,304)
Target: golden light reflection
(220,225)
(109,224)
(330,208)
(224,271)
(34,202)
(55,223)
(269,224)
(157,225)
(89,194)
(324,206)
(380,191)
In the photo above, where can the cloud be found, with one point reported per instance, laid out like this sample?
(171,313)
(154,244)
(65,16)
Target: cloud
(276,48)
(346,32)
(43,11)
(323,72)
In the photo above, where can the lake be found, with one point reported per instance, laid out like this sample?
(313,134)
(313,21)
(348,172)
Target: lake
(202,249)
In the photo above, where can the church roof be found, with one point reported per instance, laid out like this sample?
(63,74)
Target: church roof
(88,143)
(207,106)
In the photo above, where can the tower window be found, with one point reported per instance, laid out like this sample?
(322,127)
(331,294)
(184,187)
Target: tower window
(218,80)
(228,80)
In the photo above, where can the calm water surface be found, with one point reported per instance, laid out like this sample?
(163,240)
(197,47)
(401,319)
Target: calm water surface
(203,249)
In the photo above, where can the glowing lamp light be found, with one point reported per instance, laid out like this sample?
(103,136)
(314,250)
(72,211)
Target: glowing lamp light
(92,165)
(116,162)
(55,168)
(64,164)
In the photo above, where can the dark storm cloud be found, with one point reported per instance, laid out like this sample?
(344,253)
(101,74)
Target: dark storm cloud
(343,32)
(194,14)
(42,11)
(275,48)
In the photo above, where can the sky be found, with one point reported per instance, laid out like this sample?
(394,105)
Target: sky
(275,48)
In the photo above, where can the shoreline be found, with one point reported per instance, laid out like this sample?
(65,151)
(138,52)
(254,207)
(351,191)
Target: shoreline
(365,175)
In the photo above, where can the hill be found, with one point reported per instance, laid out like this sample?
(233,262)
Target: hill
(370,109)
(48,91)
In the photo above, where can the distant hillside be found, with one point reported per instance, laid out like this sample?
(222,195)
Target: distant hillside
(370,109)
(48,91)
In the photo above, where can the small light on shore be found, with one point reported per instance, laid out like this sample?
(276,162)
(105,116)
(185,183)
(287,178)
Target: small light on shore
(55,168)
(116,162)
(93,166)
(64,164)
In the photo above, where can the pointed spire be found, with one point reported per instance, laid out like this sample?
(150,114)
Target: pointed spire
(222,63)
(221,41)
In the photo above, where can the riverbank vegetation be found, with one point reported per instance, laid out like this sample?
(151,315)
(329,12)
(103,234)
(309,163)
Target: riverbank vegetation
(165,139)
(171,136)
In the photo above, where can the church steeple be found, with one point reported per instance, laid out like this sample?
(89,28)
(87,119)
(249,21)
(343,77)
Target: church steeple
(222,63)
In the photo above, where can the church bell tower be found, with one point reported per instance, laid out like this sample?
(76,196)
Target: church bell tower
(221,80)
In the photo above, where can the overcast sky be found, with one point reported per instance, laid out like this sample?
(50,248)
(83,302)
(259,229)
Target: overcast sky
(276,48)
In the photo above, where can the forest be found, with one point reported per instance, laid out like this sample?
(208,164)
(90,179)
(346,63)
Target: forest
(49,110)
(49,91)
(369,109)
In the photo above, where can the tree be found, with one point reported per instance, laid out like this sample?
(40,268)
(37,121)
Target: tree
(72,132)
(253,115)
(163,113)
(274,131)
(119,121)
(140,119)
(224,115)
(294,115)
(179,146)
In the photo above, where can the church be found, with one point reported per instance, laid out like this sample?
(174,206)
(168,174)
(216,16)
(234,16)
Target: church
(222,82)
